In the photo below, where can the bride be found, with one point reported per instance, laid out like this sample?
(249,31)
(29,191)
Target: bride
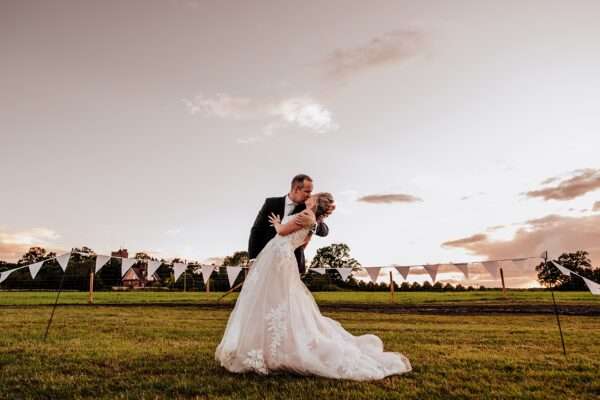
(276,323)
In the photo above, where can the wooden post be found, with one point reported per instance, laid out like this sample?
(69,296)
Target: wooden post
(503,285)
(391,288)
(91,290)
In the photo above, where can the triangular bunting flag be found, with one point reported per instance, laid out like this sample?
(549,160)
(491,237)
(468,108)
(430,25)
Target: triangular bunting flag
(344,273)
(207,271)
(593,286)
(4,275)
(403,271)
(464,268)
(126,263)
(152,267)
(563,270)
(35,268)
(63,260)
(101,262)
(491,267)
(319,270)
(232,274)
(373,273)
(178,269)
(432,270)
(520,263)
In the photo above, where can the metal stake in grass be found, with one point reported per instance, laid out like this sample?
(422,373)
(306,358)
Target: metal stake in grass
(562,340)
(55,303)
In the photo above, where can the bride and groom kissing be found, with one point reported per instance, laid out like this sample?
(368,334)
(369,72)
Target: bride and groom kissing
(276,325)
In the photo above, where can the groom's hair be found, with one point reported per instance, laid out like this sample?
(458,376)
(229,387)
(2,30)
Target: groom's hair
(299,179)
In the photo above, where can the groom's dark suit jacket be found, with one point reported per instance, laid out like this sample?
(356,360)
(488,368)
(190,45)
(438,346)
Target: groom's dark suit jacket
(262,231)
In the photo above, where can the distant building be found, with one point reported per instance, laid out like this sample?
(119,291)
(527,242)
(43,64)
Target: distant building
(120,253)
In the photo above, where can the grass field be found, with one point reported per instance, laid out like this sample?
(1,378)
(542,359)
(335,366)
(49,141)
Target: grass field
(323,298)
(158,352)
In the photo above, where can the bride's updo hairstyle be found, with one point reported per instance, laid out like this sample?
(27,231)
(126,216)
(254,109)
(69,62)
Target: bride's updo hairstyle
(324,201)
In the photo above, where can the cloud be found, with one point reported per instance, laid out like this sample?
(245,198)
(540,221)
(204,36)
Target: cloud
(14,244)
(555,233)
(389,48)
(301,111)
(583,181)
(389,198)
(174,231)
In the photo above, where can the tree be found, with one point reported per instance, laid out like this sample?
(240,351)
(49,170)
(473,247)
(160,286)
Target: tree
(549,275)
(334,256)
(35,254)
(238,258)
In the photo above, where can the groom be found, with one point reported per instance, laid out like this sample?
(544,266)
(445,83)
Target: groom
(292,203)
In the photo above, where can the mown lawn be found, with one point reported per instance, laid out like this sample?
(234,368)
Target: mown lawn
(156,352)
(323,298)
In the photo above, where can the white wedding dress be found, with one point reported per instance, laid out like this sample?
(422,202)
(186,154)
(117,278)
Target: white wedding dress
(276,325)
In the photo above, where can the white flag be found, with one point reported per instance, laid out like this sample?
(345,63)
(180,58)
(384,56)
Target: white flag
(151,267)
(403,271)
(101,262)
(178,269)
(64,260)
(593,286)
(126,263)
(432,270)
(344,273)
(35,268)
(520,263)
(491,267)
(563,270)
(207,271)
(373,273)
(232,274)
(319,270)
(464,268)
(5,274)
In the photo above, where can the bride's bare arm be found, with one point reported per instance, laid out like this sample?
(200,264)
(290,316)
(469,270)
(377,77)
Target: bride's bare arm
(291,226)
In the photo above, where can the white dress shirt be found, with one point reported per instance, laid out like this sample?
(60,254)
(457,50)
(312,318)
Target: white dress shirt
(289,205)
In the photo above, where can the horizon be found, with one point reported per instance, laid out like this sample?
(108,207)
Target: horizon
(446,132)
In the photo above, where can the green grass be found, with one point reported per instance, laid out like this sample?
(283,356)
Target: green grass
(156,352)
(323,298)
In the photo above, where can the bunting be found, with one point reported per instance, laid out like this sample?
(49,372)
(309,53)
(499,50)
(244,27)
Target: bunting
(463,267)
(373,273)
(126,263)
(344,273)
(563,270)
(152,267)
(403,271)
(232,274)
(491,267)
(178,269)
(592,286)
(432,270)
(318,270)
(101,262)
(35,268)
(63,260)
(207,271)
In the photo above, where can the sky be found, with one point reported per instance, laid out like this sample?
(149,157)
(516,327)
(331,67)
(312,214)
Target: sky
(446,131)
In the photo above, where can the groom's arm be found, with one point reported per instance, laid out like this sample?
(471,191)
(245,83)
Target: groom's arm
(257,231)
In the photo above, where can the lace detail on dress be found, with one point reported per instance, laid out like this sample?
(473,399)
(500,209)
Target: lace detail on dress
(255,361)
(276,325)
